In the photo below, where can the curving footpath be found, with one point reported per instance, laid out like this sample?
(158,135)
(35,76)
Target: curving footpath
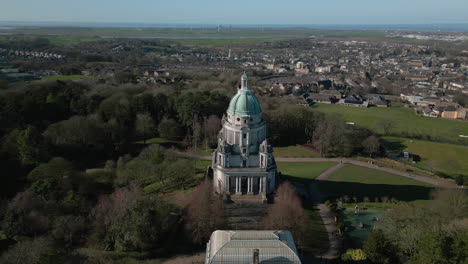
(434,181)
(325,213)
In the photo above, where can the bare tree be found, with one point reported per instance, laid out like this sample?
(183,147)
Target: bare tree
(28,251)
(205,213)
(211,125)
(287,213)
(110,208)
(196,132)
(371,145)
(387,125)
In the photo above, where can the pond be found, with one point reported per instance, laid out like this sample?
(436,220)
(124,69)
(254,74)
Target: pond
(360,225)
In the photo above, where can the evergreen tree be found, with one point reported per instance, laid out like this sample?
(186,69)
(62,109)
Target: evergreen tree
(378,249)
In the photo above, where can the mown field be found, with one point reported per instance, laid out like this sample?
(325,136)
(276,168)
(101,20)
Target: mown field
(406,122)
(65,77)
(450,159)
(376,186)
(206,36)
(295,151)
(303,171)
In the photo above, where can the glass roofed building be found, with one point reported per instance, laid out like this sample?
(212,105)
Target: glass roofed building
(243,162)
(237,247)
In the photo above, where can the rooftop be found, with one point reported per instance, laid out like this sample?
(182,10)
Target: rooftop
(238,247)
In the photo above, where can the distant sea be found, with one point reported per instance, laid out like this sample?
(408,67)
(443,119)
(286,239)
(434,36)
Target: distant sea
(411,27)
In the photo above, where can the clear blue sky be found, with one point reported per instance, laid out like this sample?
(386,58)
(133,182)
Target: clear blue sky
(238,12)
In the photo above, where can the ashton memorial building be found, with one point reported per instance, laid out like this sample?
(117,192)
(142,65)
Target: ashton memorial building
(243,162)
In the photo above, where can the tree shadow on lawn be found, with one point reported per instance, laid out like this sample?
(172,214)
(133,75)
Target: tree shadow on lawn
(395,145)
(405,193)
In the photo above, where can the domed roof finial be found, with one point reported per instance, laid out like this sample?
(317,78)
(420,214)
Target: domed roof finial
(244,79)
(244,76)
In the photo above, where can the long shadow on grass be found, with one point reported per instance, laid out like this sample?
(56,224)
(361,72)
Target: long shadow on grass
(372,191)
(334,189)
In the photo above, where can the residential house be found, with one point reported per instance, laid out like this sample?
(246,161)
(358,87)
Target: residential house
(323,98)
(353,100)
(379,101)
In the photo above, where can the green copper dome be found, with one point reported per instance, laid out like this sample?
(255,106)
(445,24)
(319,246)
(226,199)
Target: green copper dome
(244,103)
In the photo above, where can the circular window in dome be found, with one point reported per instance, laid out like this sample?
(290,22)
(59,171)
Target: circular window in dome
(238,119)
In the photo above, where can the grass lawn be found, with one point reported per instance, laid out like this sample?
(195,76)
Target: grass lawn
(303,171)
(405,120)
(295,151)
(201,151)
(290,151)
(65,77)
(318,238)
(360,182)
(447,158)
(202,164)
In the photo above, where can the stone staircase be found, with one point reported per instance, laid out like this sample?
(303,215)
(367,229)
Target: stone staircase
(246,214)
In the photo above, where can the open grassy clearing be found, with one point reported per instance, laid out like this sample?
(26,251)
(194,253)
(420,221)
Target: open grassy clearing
(373,185)
(295,151)
(226,41)
(405,121)
(189,32)
(447,158)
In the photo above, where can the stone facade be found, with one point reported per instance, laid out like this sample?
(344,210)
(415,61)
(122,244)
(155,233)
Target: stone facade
(243,162)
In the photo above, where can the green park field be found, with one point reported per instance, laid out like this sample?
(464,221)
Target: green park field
(204,36)
(450,159)
(361,182)
(319,242)
(295,151)
(405,120)
(65,77)
(303,171)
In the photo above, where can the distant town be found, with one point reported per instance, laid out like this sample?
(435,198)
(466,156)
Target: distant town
(225,144)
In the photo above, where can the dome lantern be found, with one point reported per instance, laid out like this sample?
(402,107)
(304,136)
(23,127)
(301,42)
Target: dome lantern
(244,103)
(244,80)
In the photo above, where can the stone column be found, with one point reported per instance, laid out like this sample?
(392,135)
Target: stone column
(250,185)
(260,185)
(237,185)
(226,183)
(265,187)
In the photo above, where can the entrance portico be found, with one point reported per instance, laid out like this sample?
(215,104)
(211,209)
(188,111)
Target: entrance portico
(250,185)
